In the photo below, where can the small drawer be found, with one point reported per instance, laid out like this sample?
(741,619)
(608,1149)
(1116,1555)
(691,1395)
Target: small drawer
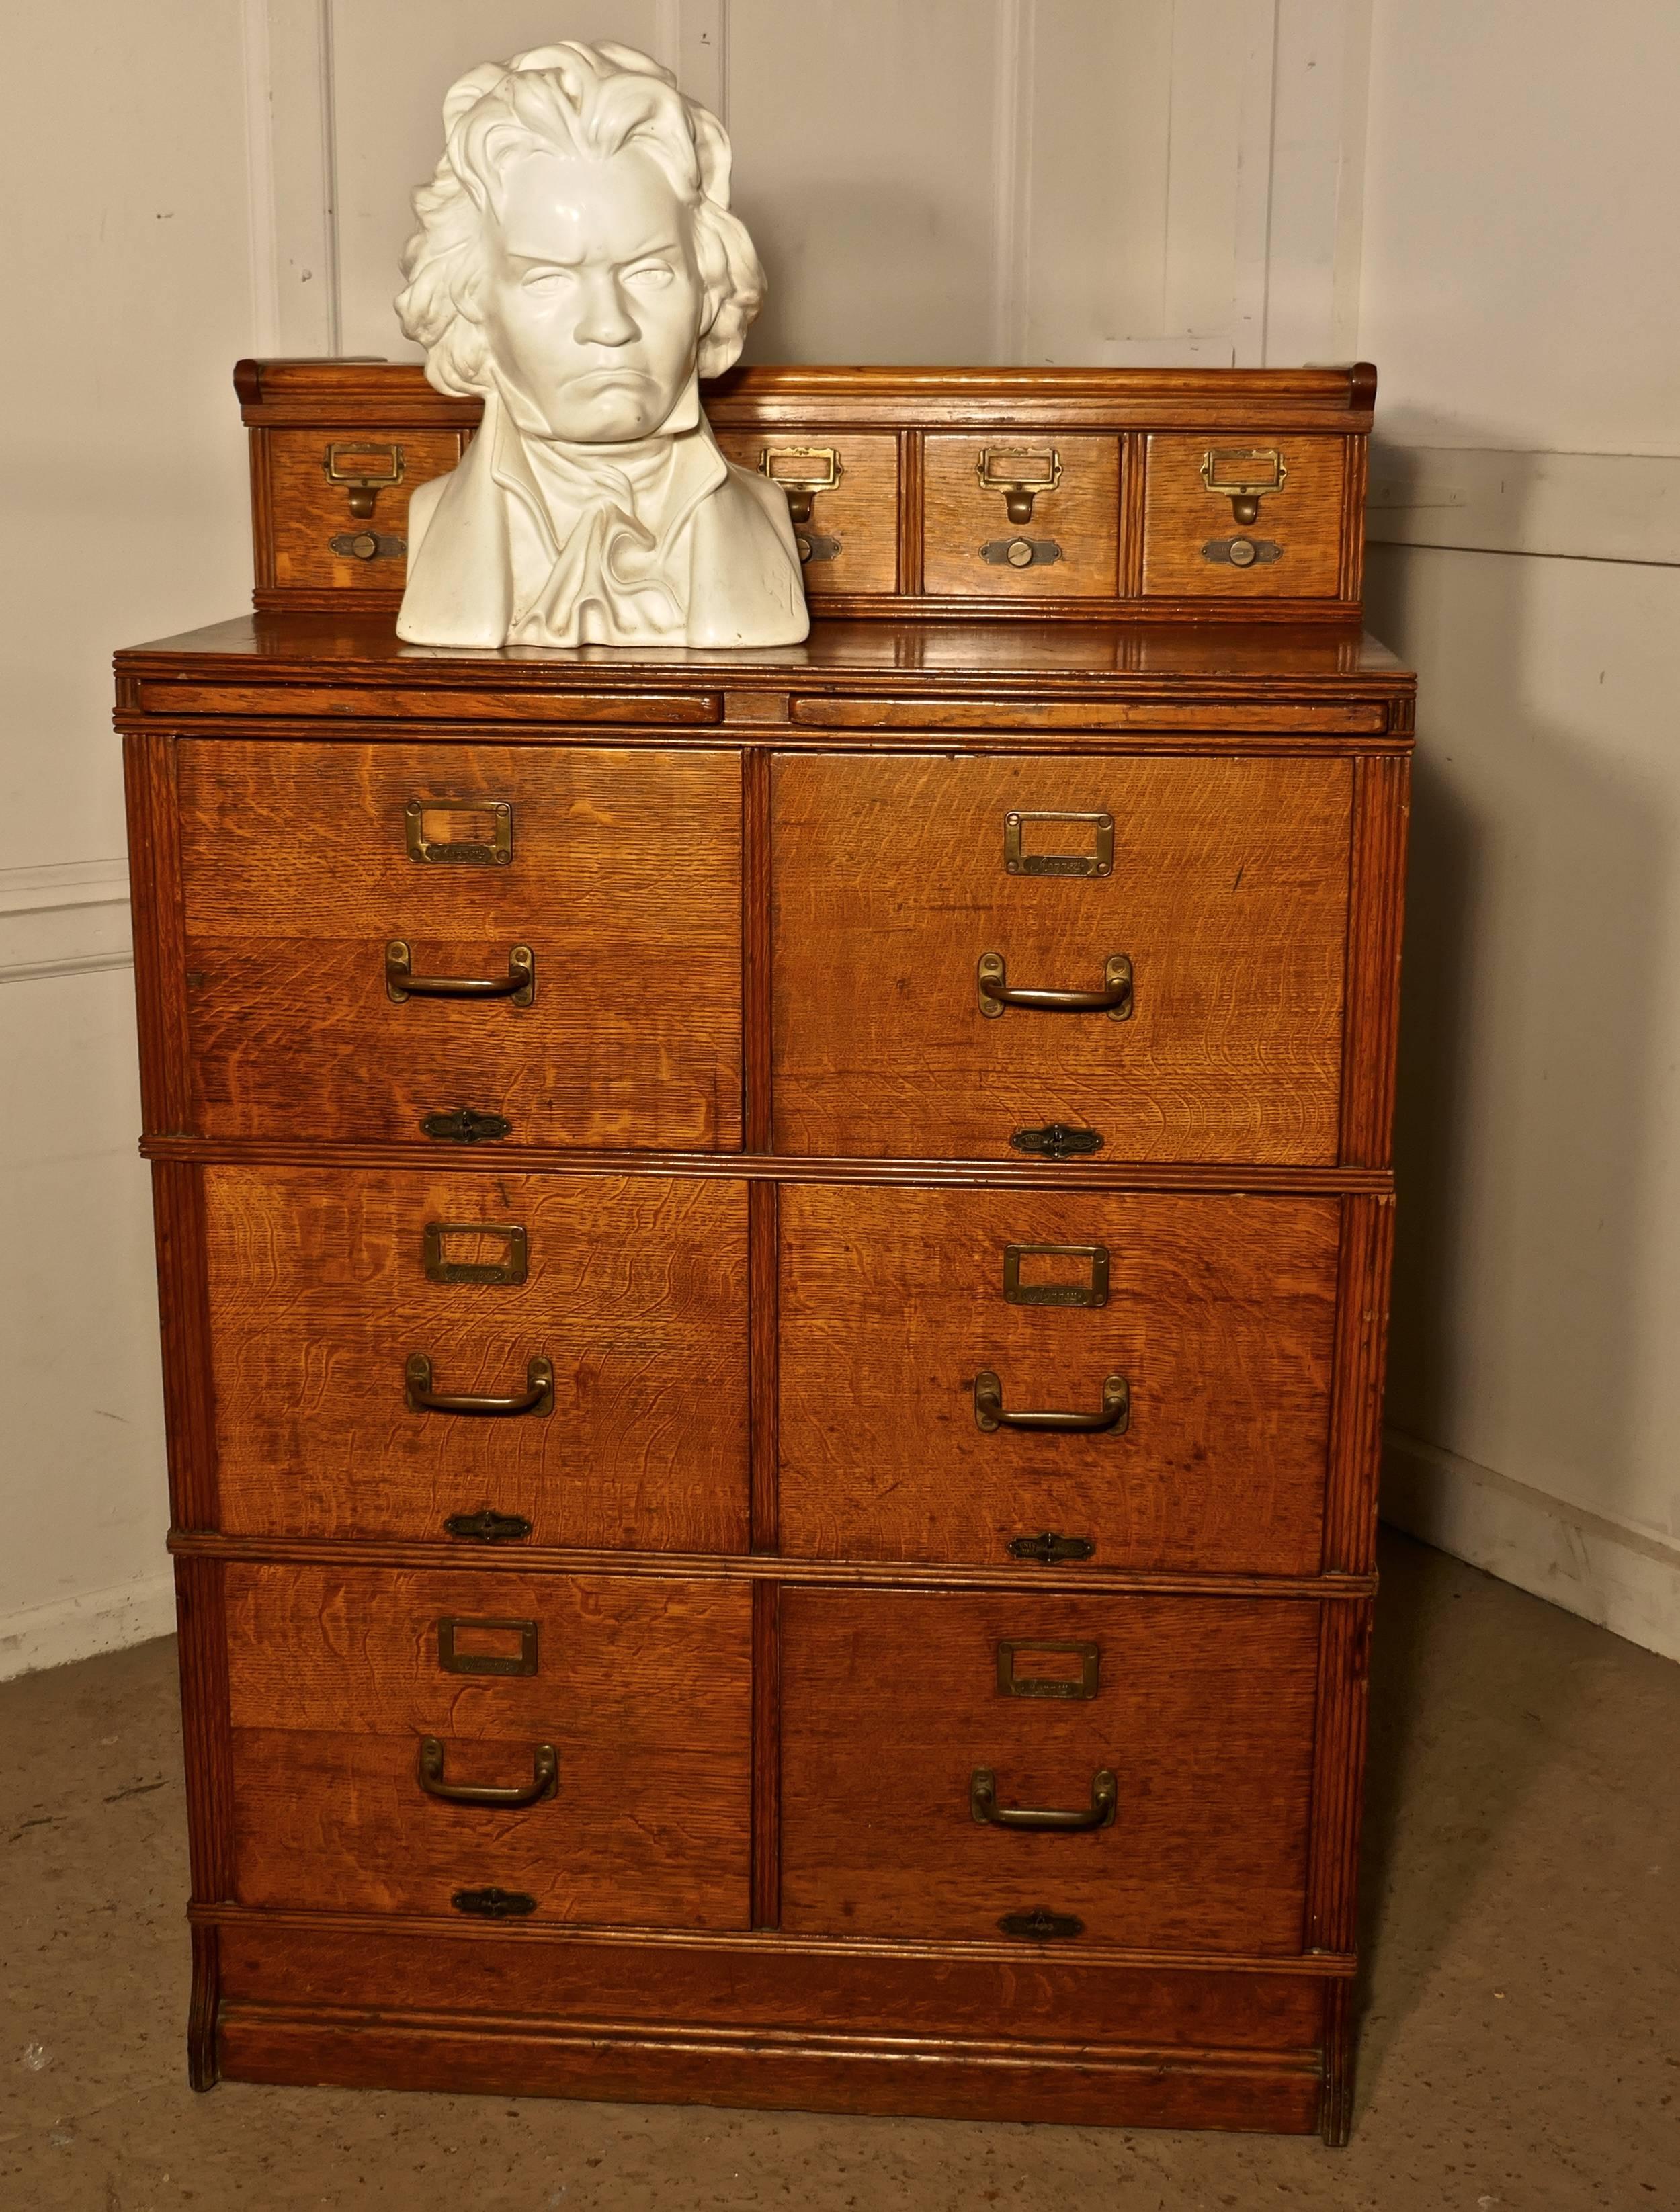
(608,1308)
(927,907)
(1215,1315)
(338,504)
(1178,1732)
(361,1706)
(1028,517)
(842,493)
(1250,517)
(381,938)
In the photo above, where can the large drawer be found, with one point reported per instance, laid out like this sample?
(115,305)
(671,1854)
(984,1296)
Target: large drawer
(902,1717)
(321,880)
(345,1681)
(326,1284)
(1215,1314)
(913,894)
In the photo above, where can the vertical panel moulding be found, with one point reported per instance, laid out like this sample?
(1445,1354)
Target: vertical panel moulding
(1375,912)
(1134,455)
(189,1387)
(1335,2111)
(262,516)
(1338,1773)
(766,1873)
(911,481)
(756,768)
(207,1747)
(1356,1405)
(763,1290)
(160,934)
(1351,582)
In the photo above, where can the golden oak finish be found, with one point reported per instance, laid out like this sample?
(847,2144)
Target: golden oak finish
(1218,1313)
(686,1268)
(1228,893)
(320,1292)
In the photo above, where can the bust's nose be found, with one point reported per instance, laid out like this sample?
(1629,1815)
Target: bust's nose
(603,318)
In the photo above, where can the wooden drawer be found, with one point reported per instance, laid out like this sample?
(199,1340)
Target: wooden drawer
(1293,547)
(623,882)
(1227,893)
(1201,1709)
(316,481)
(324,1283)
(641,1688)
(1218,1318)
(847,535)
(1068,548)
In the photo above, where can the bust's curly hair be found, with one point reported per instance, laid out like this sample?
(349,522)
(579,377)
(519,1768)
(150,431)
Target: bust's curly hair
(570,99)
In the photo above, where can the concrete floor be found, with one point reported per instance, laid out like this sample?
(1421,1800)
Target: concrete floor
(1520,1881)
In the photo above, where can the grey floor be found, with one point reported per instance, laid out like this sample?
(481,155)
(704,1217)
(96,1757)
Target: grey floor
(1521,2039)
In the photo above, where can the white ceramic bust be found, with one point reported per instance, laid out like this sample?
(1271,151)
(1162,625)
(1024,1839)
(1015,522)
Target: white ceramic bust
(577,265)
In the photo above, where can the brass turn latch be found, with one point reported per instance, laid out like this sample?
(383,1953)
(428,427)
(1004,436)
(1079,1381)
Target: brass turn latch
(1244,476)
(1020,474)
(364,471)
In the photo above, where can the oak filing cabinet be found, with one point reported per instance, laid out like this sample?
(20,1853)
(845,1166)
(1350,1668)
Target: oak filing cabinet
(774,1270)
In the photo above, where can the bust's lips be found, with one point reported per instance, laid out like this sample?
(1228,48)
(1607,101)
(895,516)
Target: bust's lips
(597,383)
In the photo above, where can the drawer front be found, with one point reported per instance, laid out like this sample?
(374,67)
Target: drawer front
(326,1283)
(339,503)
(1216,1314)
(1200,1710)
(1066,547)
(304,864)
(1227,894)
(1195,543)
(843,489)
(640,1689)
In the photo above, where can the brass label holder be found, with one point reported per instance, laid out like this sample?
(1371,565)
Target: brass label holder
(364,471)
(1020,473)
(495,849)
(1011,1683)
(1092,1293)
(801,471)
(1244,475)
(1017,861)
(500,1274)
(454,1660)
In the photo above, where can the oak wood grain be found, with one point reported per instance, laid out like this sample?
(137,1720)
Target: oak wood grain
(645,1693)
(1304,519)
(1081,515)
(309,510)
(320,1293)
(1229,894)
(1220,1316)
(624,882)
(861,511)
(1204,1713)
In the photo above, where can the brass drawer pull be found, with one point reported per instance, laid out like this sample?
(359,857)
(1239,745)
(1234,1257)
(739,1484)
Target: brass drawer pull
(984,1806)
(364,471)
(418,1395)
(519,985)
(1020,474)
(802,471)
(544,1779)
(1114,999)
(1093,1293)
(1244,475)
(988,1413)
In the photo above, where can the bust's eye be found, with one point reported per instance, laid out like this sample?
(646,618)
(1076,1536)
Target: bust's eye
(649,275)
(543,281)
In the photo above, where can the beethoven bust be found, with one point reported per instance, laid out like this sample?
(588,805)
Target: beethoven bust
(577,265)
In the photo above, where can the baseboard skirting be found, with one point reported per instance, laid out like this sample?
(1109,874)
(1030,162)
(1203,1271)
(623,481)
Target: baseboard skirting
(91,1622)
(1616,1578)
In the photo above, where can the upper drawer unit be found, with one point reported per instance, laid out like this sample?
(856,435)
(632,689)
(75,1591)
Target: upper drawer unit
(528,945)
(1074,492)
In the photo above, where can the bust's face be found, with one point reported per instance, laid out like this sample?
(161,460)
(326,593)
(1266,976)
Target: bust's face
(592,303)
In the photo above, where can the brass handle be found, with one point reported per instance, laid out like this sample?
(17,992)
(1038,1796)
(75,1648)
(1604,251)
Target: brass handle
(1116,1409)
(519,984)
(1021,475)
(983,1805)
(544,1779)
(363,471)
(1244,476)
(418,1395)
(801,471)
(1114,999)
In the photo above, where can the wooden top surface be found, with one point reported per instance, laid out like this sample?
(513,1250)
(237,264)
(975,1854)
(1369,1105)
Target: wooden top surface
(873,654)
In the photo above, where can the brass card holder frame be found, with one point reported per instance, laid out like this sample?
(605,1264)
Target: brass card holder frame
(1019,862)
(1020,473)
(1244,475)
(465,853)
(454,1660)
(1093,1293)
(499,1274)
(353,465)
(801,484)
(1011,1684)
